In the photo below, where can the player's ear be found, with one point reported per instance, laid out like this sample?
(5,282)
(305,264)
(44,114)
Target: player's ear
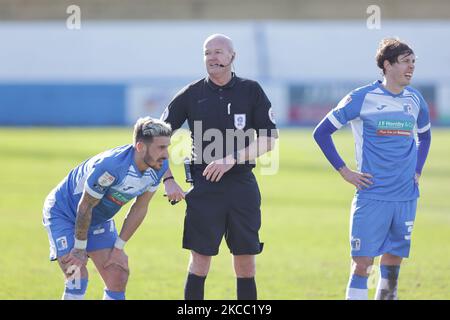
(386,63)
(139,146)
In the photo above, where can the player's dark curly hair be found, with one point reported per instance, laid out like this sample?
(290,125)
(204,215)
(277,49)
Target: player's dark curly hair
(389,49)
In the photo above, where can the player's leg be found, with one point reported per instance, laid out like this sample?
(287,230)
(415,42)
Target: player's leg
(197,271)
(397,248)
(76,280)
(204,227)
(359,274)
(101,239)
(114,277)
(60,233)
(243,224)
(389,271)
(369,228)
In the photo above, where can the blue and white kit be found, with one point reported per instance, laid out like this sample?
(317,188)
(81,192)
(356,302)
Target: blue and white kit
(384,127)
(111,176)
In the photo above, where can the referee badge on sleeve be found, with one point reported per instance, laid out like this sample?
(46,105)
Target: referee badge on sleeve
(239,121)
(272,115)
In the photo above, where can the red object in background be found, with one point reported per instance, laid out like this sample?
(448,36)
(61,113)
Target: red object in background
(307,114)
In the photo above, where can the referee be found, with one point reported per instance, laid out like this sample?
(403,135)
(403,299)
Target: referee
(223,112)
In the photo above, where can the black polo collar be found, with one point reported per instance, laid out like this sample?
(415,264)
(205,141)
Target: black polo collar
(228,85)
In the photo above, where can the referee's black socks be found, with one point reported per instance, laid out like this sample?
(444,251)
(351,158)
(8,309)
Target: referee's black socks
(195,287)
(246,289)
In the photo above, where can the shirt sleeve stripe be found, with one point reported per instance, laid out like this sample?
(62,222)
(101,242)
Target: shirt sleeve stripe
(424,129)
(334,121)
(92,192)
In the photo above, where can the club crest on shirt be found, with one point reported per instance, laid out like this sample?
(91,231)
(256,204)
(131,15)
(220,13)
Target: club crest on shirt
(106,179)
(407,108)
(239,121)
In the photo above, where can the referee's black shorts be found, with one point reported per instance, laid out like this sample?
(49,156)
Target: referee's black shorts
(230,208)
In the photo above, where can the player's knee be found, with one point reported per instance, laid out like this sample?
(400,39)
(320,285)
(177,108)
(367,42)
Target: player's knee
(362,266)
(117,279)
(389,259)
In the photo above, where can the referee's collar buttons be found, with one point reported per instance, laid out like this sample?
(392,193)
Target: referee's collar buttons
(215,87)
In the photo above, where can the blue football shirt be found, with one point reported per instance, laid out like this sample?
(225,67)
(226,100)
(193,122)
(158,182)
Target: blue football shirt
(111,176)
(384,127)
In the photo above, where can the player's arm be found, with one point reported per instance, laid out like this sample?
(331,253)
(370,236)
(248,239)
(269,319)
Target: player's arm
(322,135)
(135,215)
(133,220)
(423,137)
(78,255)
(347,110)
(173,190)
(424,142)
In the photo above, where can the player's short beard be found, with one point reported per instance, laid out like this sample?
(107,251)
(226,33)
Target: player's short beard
(148,160)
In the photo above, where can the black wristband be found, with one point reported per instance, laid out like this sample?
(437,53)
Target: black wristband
(168,178)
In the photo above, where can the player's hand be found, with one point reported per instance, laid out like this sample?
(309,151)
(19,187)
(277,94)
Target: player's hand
(77,258)
(119,258)
(358,179)
(417,178)
(173,190)
(216,169)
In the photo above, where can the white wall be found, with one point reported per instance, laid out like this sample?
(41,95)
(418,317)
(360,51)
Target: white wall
(114,51)
(346,50)
(117,51)
(157,59)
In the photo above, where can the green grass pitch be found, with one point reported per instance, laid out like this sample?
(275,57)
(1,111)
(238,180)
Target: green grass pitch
(305,223)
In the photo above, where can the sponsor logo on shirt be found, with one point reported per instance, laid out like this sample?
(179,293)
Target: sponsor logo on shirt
(394,128)
(118,198)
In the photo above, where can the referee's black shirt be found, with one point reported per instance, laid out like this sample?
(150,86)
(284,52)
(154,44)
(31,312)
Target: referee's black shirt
(239,105)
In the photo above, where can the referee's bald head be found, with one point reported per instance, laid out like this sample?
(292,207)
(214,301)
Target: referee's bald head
(220,38)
